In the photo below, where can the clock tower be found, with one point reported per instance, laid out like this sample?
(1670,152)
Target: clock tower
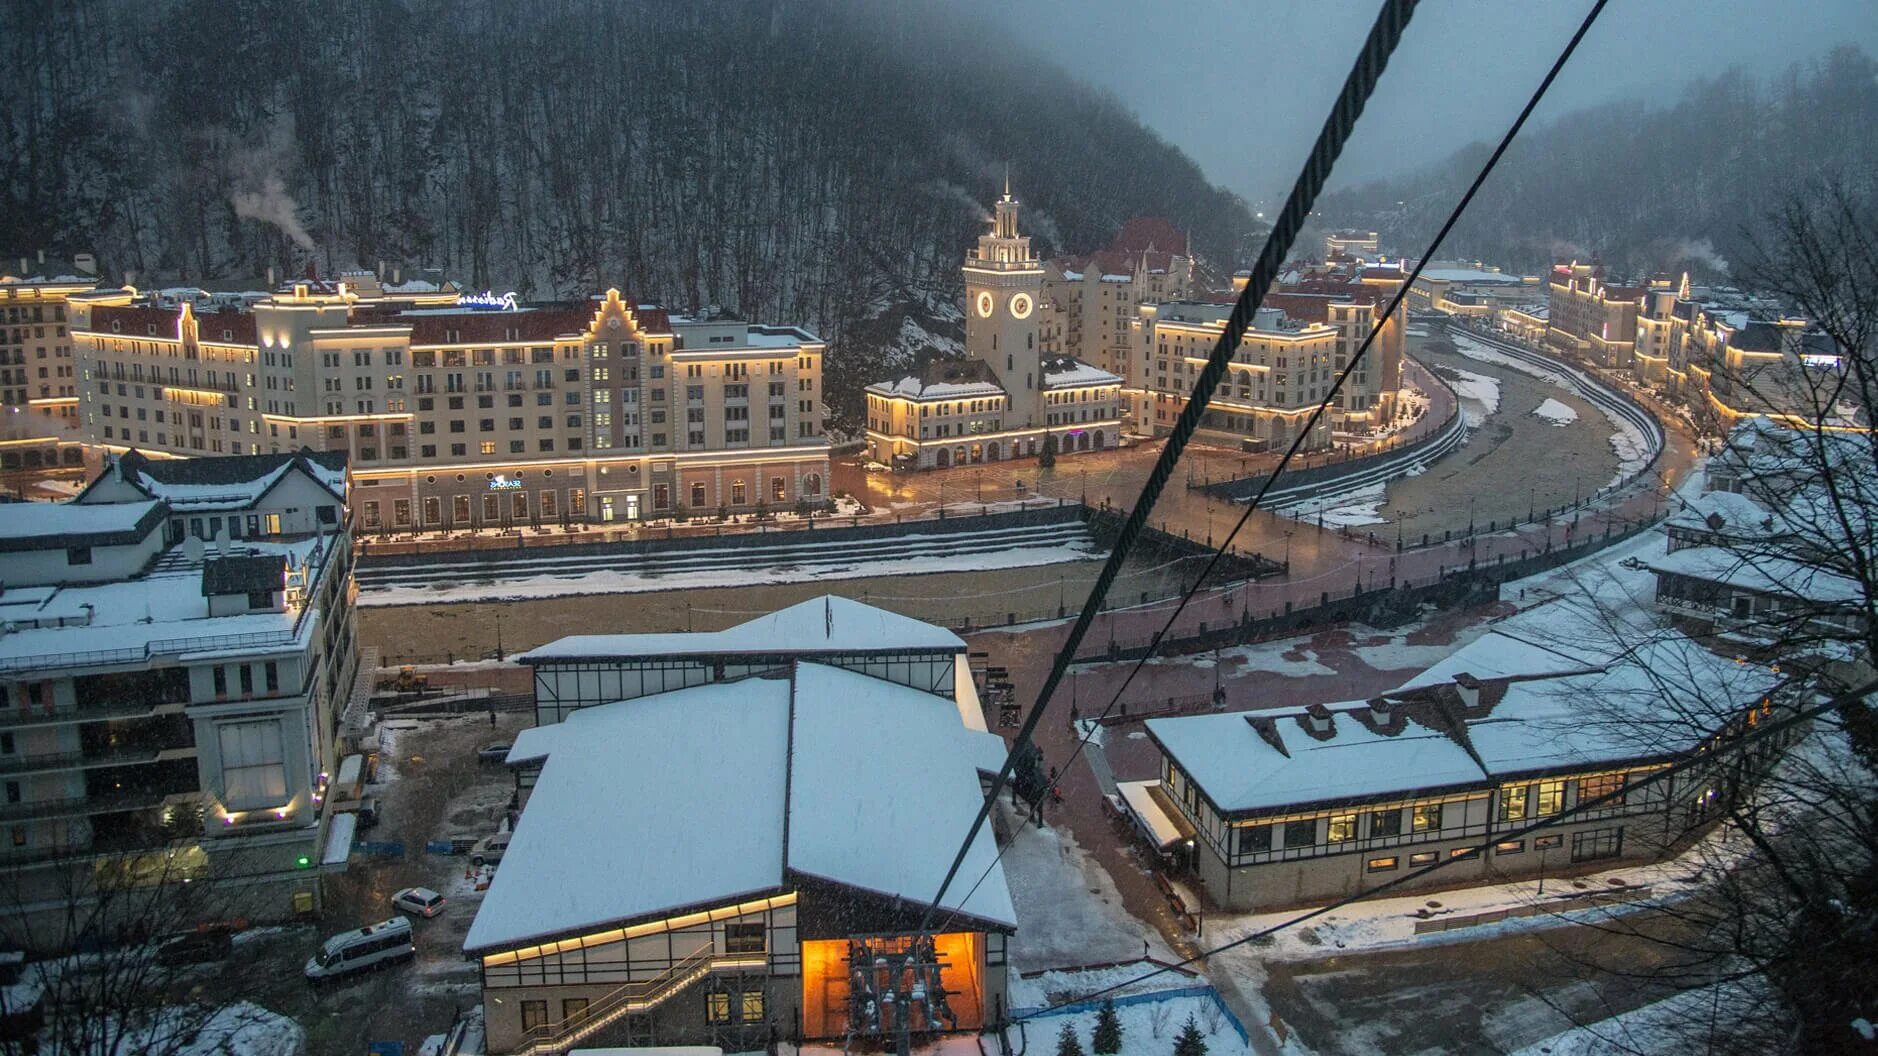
(1003,284)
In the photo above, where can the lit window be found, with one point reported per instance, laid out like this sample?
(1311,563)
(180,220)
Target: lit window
(1427,817)
(1383,865)
(1342,828)
(717,1008)
(1513,802)
(1551,797)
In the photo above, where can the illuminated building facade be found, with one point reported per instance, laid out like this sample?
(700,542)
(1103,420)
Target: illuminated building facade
(1010,397)
(171,703)
(1090,302)
(36,368)
(1589,319)
(1358,245)
(466,411)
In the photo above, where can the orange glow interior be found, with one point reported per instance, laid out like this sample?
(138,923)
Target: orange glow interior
(826,986)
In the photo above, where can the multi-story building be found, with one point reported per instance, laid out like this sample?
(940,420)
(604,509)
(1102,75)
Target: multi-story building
(1009,398)
(459,411)
(1090,303)
(171,706)
(839,747)
(1299,806)
(1471,290)
(1590,319)
(36,368)
(1351,245)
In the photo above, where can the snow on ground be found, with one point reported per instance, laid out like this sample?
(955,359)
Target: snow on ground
(1261,656)
(1355,508)
(1147,1027)
(1481,391)
(1394,652)
(240,1029)
(1068,910)
(1555,412)
(1632,449)
(622,582)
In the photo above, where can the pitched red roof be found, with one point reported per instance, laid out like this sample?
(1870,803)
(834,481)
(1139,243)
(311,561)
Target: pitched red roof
(240,327)
(134,320)
(539,324)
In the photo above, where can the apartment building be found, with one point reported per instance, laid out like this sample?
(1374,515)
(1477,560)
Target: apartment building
(36,366)
(1279,372)
(1358,245)
(1470,289)
(170,706)
(1294,807)
(1009,397)
(839,746)
(1590,319)
(461,411)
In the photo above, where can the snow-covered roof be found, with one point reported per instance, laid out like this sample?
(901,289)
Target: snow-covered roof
(1532,710)
(943,379)
(1760,573)
(1473,275)
(1068,373)
(671,800)
(876,761)
(163,611)
(226,482)
(1740,514)
(825,625)
(1240,771)
(842,763)
(57,525)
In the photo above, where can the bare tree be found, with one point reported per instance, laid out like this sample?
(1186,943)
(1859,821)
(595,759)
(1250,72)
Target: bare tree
(1785,580)
(126,945)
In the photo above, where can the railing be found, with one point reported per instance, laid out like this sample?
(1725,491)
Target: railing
(68,716)
(633,997)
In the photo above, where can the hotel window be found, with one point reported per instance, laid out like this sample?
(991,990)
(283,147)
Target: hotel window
(1509,847)
(1460,853)
(1590,788)
(1540,843)
(1551,798)
(1513,804)
(1383,865)
(744,938)
(254,770)
(778,489)
(751,1006)
(661,496)
(1301,833)
(736,493)
(1426,817)
(1342,828)
(1422,858)
(488,447)
(1384,823)
(697,496)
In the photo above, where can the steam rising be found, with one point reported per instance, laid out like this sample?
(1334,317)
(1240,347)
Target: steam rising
(260,192)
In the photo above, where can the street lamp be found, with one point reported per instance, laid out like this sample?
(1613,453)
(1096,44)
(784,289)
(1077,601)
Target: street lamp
(1287,551)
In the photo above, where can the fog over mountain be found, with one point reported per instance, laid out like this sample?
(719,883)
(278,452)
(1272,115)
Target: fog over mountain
(821,162)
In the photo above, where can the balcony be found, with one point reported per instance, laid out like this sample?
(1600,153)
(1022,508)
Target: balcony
(67,761)
(82,806)
(13,720)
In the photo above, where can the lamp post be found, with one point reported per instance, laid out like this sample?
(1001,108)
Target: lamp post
(978,484)
(942,498)
(1287,551)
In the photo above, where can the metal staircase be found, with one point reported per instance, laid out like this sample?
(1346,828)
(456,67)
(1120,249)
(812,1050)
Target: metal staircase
(632,998)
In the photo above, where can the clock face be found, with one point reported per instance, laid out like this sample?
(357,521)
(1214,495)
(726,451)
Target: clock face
(1021,306)
(985,304)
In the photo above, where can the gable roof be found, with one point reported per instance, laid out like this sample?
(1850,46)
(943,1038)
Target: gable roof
(825,625)
(222,482)
(827,773)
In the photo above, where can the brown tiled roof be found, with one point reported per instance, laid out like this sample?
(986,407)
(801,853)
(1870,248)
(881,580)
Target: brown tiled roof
(240,327)
(539,324)
(134,320)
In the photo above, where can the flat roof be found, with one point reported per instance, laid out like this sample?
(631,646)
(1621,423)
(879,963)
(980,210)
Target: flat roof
(58,525)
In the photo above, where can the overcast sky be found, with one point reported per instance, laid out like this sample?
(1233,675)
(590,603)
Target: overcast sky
(1242,85)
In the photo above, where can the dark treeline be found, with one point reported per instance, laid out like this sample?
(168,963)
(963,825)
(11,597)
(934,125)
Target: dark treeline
(822,162)
(1646,186)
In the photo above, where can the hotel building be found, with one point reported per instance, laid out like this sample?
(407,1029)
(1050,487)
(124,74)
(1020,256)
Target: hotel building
(1090,303)
(841,745)
(1589,319)
(36,368)
(1360,245)
(1008,398)
(171,703)
(465,411)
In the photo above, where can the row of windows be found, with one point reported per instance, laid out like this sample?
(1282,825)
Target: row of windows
(1587,846)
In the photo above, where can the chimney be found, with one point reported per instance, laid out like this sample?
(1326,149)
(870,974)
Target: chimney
(1316,722)
(381,271)
(397,274)
(1467,687)
(42,256)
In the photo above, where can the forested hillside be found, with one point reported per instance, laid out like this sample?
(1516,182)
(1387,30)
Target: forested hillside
(823,162)
(1645,186)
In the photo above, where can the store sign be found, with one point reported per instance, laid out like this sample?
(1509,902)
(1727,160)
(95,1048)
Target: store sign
(504,484)
(488,302)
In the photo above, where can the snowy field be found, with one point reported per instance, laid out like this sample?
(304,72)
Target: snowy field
(1147,1026)
(1068,911)
(1479,393)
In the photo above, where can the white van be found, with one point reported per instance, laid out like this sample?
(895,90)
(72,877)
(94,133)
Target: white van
(489,849)
(362,948)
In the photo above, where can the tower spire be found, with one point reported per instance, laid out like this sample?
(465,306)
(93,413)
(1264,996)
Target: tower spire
(1007,179)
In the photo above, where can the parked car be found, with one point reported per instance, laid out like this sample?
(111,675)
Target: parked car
(368,812)
(489,849)
(195,947)
(494,753)
(362,948)
(419,900)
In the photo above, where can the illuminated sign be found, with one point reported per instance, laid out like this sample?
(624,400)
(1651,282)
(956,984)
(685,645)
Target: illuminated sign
(487,301)
(504,484)
(1819,362)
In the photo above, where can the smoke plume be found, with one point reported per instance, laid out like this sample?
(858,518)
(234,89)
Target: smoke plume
(259,192)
